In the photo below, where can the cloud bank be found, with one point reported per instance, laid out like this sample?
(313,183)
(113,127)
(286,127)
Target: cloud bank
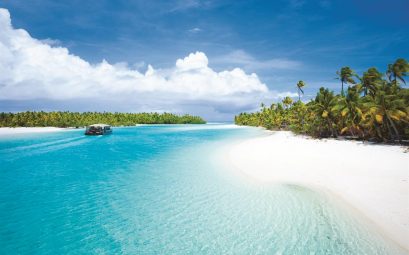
(38,72)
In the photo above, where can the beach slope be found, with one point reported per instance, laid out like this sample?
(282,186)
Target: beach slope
(371,178)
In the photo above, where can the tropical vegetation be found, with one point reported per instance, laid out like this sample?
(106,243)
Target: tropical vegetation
(78,119)
(373,107)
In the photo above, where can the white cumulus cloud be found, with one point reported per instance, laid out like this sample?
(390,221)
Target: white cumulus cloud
(32,69)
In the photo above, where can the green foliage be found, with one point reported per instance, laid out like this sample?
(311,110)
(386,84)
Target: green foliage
(346,75)
(374,109)
(369,79)
(398,70)
(287,101)
(77,119)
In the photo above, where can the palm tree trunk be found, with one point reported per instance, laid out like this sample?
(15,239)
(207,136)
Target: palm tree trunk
(352,131)
(330,128)
(389,130)
(394,127)
(378,131)
(342,88)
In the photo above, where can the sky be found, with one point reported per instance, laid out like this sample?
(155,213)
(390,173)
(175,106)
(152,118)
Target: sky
(208,58)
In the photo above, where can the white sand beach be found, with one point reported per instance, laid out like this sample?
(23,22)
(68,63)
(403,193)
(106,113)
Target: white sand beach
(23,130)
(371,178)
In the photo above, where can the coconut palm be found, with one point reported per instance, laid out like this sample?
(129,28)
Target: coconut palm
(322,110)
(398,70)
(387,110)
(300,85)
(349,108)
(287,101)
(370,79)
(346,75)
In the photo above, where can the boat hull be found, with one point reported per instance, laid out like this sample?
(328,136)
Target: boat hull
(98,133)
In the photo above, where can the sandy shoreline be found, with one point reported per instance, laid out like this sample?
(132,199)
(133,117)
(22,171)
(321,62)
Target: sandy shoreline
(371,178)
(24,130)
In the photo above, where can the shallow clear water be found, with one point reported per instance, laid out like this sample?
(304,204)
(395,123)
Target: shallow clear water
(160,190)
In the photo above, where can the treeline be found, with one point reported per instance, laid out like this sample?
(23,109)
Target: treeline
(80,119)
(373,107)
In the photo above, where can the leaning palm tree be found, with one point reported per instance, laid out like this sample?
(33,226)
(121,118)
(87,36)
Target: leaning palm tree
(346,76)
(300,85)
(387,110)
(370,79)
(398,70)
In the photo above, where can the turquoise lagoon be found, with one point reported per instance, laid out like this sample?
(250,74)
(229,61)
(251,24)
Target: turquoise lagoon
(161,190)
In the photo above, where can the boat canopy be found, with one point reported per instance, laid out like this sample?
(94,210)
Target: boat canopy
(99,125)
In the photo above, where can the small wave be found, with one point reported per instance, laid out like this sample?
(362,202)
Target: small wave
(44,148)
(39,145)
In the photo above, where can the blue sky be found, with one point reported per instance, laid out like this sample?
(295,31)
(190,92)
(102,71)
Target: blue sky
(281,41)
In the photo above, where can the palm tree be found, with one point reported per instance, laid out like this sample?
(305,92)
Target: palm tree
(387,110)
(322,109)
(349,108)
(398,70)
(346,76)
(370,79)
(300,85)
(287,101)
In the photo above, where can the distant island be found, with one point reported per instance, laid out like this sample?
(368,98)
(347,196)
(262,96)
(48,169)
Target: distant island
(81,119)
(373,108)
